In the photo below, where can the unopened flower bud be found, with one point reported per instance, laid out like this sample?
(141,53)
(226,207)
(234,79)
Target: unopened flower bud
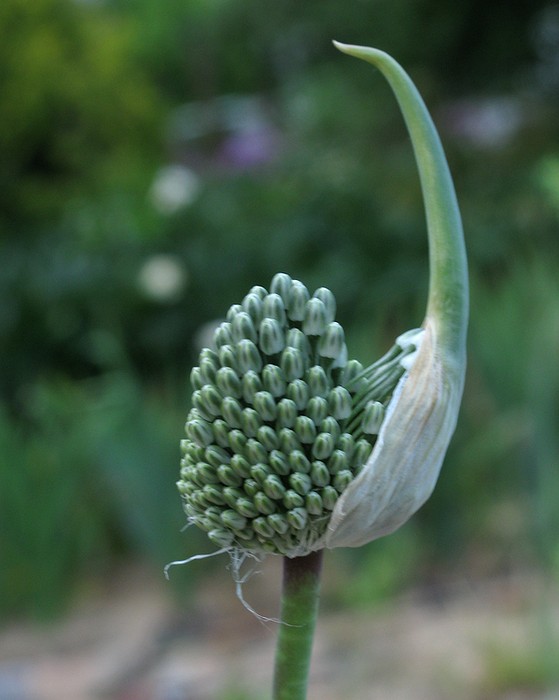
(246,507)
(241,465)
(278,523)
(251,487)
(363,449)
(197,381)
(297,518)
(316,317)
(216,455)
(373,415)
(273,307)
(223,335)
(299,462)
(288,441)
(263,527)
(252,304)
(187,446)
(338,460)
(251,385)
(209,354)
(268,438)
(301,483)
(220,431)
(319,474)
(317,409)
(287,414)
(273,487)
(305,430)
(242,326)
(331,425)
(232,519)
(292,363)
(248,357)
(221,537)
(272,338)
(332,344)
(228,476)
(199,432)
(298,392)
(228,382)
(185,487)
(323,446)
(228,357)
(342,480)
(313,503)
(231,495)
(212,515)
(232,312)
(297,301)
(232,411)
(319,384)
(281,284)
(340,403)
(329,497)
(274,380)
(200,405)
(255,452)
(264,504)
(352,369)
(295,338)
(292,499)
(250,422)
(259,291)
(266,466)
(265,405)
(237,441)
(213,494)
(259,472)
(279,462)
(206,473)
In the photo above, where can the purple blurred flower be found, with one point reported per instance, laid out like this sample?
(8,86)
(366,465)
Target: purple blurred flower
(249,149)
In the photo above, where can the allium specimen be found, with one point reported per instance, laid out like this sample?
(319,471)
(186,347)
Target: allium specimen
(291,448)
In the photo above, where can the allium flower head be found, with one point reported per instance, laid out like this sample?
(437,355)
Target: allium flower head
(281,423)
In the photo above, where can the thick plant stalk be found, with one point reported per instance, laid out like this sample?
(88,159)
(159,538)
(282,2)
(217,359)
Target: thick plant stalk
(299,607)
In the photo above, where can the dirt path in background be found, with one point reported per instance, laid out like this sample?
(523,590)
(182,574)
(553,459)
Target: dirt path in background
(135,645)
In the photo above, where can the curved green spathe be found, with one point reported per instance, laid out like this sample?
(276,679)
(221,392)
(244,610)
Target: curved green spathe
(448,287)
(420,419)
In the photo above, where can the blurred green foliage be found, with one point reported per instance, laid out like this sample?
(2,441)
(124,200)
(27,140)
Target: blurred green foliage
(74,109)
(284,156)
(532,668)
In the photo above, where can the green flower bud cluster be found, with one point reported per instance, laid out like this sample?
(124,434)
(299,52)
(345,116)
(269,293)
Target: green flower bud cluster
(281,422)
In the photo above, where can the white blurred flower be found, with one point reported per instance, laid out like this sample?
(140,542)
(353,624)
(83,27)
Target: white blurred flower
(162,278)
(173,188)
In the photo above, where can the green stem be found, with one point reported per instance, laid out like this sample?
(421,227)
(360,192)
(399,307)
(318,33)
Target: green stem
(299,607)
(448,287)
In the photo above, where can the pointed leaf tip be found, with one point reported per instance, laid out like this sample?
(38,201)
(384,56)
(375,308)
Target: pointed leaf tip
(365,53)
